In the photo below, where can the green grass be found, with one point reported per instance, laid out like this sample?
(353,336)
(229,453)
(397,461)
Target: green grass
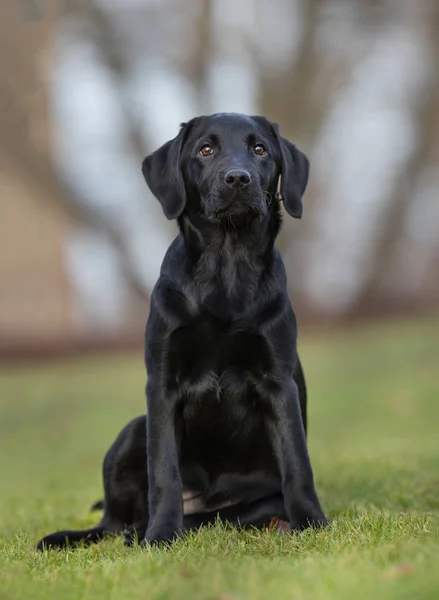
(374,443)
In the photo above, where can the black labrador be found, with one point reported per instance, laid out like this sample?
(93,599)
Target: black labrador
(226,398)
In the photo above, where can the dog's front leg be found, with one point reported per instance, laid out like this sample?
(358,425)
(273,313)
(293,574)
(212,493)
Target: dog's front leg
(289,443)
(164,481)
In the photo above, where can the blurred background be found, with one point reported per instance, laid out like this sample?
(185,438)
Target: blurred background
(89,87)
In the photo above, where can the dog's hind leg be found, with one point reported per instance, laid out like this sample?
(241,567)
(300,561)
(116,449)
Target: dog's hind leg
(65,539)
(125,486)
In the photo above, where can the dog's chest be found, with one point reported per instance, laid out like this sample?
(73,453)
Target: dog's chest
(226,282)
(222,379)
(207,357)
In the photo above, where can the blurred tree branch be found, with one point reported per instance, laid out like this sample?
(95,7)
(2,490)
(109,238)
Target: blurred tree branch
(294,97)
(58,196)
(25,144)
(392,222)
(97,26)
(200,56)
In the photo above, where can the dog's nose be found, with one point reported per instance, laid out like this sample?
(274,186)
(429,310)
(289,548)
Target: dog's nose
(237,178)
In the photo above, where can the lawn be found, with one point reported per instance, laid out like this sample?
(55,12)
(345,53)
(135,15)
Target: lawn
(374,444)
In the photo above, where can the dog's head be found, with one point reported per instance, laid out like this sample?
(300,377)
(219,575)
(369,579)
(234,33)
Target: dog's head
(225,166)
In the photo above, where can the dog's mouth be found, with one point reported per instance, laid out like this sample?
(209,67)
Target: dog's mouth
(236,207)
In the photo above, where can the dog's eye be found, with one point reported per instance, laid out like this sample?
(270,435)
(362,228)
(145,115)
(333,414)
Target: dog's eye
(206,150)
(259,149)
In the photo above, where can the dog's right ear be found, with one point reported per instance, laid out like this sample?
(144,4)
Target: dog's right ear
(294,175)
(162,171)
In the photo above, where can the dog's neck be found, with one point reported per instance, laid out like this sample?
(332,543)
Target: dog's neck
(229,260)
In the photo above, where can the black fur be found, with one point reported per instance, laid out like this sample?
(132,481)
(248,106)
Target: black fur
(98,505)
(225,392)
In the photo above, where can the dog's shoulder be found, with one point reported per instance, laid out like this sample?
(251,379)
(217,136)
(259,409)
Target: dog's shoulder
(174,260)
(170,302)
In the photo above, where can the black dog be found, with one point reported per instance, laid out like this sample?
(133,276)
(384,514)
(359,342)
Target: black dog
(225,391)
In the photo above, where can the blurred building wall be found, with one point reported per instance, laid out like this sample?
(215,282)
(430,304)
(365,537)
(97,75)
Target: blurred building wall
(34,298)
(35,294)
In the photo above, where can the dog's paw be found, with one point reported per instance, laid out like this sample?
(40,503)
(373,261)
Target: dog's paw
(43,544)
(53,541)
(302,519)
(314,521)
(133,535)
(318,521)
(161,536)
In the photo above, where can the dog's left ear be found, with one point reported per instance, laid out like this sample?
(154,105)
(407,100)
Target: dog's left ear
(294,175)
(162,171)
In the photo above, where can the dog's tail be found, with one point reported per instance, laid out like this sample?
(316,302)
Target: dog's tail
(65,539)
(98,505)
